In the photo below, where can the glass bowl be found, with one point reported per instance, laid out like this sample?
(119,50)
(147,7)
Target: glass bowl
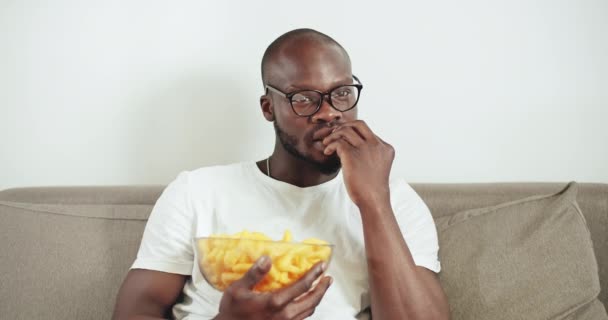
(225,260)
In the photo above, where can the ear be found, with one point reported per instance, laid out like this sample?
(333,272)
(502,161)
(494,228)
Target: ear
(267,107)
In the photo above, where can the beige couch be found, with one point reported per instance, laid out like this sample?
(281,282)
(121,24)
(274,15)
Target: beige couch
(64,251)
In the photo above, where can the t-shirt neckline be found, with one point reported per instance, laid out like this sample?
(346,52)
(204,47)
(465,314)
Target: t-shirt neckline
(280,185)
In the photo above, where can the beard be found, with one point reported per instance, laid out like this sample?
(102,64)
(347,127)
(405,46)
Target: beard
(330,166)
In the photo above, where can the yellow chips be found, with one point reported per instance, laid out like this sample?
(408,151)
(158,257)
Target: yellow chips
(225,258)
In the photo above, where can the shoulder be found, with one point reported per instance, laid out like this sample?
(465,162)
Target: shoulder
(214,177)
(218,171)
(204,182)
(400,188)
(406,201)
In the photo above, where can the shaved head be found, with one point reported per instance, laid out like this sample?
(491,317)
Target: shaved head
(292,42)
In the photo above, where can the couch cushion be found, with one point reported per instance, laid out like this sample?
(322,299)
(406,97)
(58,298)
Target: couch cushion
(448,199)
(525,259)
(66,261)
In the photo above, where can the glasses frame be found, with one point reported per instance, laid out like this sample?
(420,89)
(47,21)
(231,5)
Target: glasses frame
(289,95)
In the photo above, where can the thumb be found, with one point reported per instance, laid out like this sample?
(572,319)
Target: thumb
(256,273)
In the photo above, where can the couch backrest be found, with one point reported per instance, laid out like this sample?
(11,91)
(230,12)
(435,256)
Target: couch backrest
(65,250)
(448,199)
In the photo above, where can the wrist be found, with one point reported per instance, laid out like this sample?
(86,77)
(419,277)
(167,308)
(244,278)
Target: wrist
(375,202)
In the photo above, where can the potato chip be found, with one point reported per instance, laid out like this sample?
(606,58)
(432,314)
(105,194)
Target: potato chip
(226,258)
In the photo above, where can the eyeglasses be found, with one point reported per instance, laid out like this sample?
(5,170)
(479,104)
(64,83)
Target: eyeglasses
(305,103)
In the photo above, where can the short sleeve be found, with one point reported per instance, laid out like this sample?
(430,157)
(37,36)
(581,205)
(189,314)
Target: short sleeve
(416,224)
(167,240)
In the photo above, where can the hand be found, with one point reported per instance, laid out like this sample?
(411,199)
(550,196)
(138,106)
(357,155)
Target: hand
(297,301)
(366,162)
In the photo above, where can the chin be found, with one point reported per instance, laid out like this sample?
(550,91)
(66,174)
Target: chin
(328,164)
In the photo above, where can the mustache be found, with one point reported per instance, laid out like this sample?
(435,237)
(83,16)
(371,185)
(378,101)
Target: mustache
(309,136)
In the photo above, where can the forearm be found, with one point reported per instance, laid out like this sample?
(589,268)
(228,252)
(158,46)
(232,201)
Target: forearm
(398,289)
(148,294)
(139,317)
(141,310)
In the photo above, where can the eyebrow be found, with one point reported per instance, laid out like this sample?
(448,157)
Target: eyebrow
(334,84)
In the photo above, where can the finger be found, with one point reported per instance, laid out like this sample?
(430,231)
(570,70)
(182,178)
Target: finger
(304,306)
(362,129)
(255,274)
(286,295)
(347,133)
(384,142)
(339,146)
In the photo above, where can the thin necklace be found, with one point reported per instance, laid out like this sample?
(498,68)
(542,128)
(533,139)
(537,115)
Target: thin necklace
(268,166)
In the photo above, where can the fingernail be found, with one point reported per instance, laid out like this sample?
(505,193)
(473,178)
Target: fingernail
(262,261)
(323,266)
(331,280)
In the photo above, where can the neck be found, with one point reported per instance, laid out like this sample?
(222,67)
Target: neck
(290,169)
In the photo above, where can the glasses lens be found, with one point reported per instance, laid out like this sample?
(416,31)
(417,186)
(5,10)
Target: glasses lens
(344,97)
(305,102)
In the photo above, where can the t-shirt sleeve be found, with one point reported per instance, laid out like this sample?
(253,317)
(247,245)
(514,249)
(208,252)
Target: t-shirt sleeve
(167,240)
(417,225)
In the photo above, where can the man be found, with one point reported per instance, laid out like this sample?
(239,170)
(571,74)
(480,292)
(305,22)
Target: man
(328,178)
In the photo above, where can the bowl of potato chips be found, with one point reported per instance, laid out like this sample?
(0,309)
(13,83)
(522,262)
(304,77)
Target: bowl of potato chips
(223,259)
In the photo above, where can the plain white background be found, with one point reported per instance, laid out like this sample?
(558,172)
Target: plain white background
(133,92)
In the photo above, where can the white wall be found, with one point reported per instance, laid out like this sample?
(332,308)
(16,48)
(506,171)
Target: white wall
(132,92)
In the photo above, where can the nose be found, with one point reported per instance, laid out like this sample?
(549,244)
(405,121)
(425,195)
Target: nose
(326,113)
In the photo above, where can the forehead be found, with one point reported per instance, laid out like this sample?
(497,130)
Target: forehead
(305,63)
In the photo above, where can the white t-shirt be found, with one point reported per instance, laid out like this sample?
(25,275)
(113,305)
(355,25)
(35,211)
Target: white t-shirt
(229,199)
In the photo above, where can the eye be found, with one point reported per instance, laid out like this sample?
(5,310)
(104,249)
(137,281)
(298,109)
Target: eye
(305,97)
(300,98)
(342,92)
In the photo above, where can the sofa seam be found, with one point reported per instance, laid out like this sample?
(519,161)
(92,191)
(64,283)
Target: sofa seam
(7,204)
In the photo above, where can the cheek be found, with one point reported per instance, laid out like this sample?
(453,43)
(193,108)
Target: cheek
(294,126)
(301,130)
(351,115)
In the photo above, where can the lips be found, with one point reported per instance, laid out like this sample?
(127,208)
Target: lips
(319,145)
